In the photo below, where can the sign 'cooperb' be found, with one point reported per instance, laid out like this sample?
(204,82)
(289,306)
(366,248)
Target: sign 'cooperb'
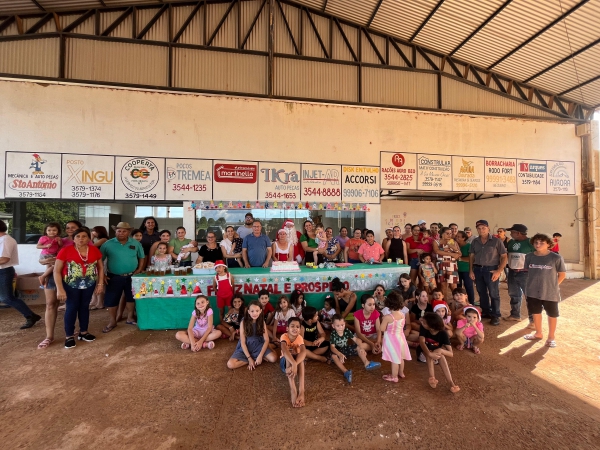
(140,175)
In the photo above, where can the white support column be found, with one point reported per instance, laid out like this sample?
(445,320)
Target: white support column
(374,221)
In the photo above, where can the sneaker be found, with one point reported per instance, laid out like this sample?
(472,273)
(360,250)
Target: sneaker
(495,321)
(87,337)
(209,345)
(31,321)
(348,376)
(422,358)
(373,365)
(70,342)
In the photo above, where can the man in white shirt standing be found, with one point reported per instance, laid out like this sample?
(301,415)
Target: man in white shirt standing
(9,257)
(246,229)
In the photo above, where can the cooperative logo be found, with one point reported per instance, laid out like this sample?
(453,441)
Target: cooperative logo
(398,159)
(235,173)
(140,175)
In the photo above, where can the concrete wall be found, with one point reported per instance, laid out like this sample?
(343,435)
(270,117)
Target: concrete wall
(401,212)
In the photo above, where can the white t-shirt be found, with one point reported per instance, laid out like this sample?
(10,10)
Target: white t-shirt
(385,311)
(8,249)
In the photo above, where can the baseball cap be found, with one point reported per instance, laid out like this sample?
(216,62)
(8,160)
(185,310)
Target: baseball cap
(518,227)
(482,222)
(421,222)
(248,215)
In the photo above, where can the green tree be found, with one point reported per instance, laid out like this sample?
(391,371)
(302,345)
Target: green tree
(211,222)
(40,213)
(202,223)
(221,221)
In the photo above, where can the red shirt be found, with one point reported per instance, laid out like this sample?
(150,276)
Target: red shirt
(75,270)
(414,246)
(267,309)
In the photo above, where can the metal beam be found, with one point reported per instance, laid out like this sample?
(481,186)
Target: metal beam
(35,2)
(374,13)
(540,32)
(117,22)
(253,23)
(454,68)
(287,27)
(427,58)
(7,23)
(152,21)
(565,59)
(375,49)
(498,83)
(79,21)
(314,27)
(591,80)
(221,22)
(401,53)
(427,19)
(40,23)
(345,38)
(187,21)
(480,27)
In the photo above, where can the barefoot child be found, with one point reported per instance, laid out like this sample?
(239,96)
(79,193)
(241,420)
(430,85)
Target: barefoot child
(327,312)
(230,326)
(200,333)
(440,307)
(293,352)
(253,345)
(344,344)
(366,324)
(297,302)
(223,285)
(394,348)
(50,243)
(268,310)
(283,313)
(469,331)
(314,336)
(435,346)
(427,273)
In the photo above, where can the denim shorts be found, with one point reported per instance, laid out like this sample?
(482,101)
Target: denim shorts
(50,284)
(414,263)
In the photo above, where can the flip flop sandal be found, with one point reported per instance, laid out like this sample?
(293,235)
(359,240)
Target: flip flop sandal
(108,329)
(454,389)
(531,337)
(433,382)
(93,308)
(390,378)
(45,343)
(476,350)
(131,323)
(551,343)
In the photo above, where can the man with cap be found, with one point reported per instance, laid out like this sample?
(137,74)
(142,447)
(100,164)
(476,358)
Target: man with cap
(517,248)
(422,225)
(124,257)
(469,233)
(256,249)
(246,229)
(487,260)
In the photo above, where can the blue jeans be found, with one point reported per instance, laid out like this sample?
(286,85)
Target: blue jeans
(7,294)
(517,281)
(464,280)
(78,306)
(488,290)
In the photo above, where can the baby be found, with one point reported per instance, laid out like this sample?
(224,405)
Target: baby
(321,240)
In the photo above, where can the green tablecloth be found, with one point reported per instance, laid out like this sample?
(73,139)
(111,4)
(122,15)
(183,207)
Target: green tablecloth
(167,302)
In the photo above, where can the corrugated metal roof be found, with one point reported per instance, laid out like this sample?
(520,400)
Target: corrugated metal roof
(517,38)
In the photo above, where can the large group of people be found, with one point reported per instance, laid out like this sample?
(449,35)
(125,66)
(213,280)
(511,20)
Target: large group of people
(433,303)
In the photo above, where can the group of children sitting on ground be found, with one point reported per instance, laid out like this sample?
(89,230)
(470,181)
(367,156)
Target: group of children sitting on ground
(385,325)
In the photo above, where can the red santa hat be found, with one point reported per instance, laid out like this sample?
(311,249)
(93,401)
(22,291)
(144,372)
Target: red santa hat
(220,263)
(437,304)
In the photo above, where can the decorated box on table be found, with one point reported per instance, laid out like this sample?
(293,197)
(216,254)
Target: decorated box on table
(184,286)
(204,268)
(285,266)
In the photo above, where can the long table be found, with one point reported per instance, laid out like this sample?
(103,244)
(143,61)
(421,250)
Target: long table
(166,302)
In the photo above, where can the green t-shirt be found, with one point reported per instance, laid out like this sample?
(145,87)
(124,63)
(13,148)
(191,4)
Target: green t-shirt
(309,241)
(516,253)
(341,341)
(122,258)
(177,244)
(463,266)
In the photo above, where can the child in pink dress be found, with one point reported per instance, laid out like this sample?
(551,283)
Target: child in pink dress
(50,243)
(394,348)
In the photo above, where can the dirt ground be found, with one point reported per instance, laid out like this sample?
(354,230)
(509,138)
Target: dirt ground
(137,389)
